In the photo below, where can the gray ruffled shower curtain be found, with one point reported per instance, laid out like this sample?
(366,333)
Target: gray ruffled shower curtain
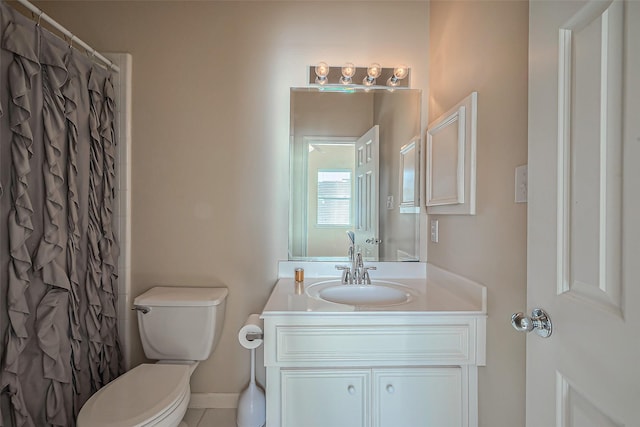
(58,253)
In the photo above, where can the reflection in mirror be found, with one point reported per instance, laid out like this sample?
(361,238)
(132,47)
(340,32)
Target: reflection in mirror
(354,167)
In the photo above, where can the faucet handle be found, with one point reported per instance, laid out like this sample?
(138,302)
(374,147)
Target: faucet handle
(365,274)
(346,273)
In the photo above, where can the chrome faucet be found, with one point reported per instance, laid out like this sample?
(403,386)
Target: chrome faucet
(356,273)
(348,270)
(361,273)
(352,253)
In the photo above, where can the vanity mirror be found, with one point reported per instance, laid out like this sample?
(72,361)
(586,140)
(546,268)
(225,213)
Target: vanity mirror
(354,165)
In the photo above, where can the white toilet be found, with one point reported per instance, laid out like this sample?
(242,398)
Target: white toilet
(178,327)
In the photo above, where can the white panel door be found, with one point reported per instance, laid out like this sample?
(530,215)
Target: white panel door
(367,203)
(583,213)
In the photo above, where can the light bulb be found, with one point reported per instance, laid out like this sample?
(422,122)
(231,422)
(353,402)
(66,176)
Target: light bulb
(348,71)
(373,72)
(322,71)
(399,73)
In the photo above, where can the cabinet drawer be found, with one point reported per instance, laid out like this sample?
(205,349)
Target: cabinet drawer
(379,344)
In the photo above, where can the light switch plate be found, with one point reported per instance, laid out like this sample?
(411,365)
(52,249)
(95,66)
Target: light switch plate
(434,230)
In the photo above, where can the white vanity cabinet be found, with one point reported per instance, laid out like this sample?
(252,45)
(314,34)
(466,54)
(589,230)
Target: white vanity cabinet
(413,364)
(368,370)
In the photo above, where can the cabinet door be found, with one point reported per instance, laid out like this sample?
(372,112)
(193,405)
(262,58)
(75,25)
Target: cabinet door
(417,397)
(325,397)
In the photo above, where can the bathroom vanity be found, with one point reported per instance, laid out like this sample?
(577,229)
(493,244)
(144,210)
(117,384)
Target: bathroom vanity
(384,363)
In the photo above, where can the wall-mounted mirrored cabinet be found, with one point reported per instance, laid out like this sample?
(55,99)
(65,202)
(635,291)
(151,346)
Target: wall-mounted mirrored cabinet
(354,165)
(451,160)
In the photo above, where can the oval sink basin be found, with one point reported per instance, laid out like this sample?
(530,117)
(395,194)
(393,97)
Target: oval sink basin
(369,295)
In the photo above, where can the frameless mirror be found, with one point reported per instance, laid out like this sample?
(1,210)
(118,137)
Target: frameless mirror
(354,166)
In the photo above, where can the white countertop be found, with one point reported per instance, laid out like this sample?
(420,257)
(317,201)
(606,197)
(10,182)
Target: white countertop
(433,291)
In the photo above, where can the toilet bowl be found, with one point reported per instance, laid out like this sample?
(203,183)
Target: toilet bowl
(148,395)
(180,326)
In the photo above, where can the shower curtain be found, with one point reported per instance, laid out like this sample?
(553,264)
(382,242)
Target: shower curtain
(58,254)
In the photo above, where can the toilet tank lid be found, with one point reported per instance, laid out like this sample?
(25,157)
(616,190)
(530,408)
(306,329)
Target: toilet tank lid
(181,297)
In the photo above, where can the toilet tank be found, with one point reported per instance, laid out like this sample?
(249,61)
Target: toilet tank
(178,323)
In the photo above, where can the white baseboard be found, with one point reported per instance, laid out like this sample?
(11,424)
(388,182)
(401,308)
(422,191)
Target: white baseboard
(213,400)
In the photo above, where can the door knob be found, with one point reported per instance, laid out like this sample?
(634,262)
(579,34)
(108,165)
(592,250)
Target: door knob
(539,322)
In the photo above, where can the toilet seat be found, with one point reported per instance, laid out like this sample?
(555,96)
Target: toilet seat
(147,395)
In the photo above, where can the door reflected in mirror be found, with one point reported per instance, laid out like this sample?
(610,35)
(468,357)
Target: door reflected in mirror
(348,171)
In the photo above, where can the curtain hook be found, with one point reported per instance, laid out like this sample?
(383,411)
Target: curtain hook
(71,41)
(39,18)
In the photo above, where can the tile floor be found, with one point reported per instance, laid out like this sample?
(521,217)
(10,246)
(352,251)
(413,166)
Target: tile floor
(210,417)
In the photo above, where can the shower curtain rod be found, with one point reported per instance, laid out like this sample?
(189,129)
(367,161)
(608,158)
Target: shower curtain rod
(72,38)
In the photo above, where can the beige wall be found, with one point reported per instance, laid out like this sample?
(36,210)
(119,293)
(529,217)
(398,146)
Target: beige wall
(210,132)
(482,46)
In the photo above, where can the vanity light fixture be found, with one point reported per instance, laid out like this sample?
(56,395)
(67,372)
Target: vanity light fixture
(348,71)
(399,73)
(350,78)
(373,72)
(322,71)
